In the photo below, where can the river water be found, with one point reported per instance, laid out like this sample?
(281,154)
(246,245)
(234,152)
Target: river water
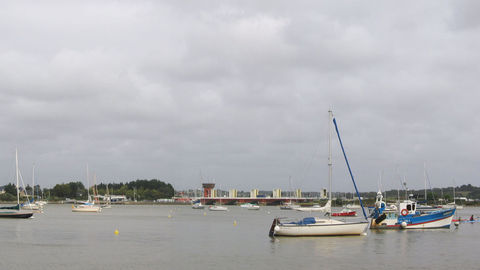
(178,237)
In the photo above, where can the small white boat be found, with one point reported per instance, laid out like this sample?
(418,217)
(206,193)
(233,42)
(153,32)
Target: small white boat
(316,208)
(217,208)
(41,203)
(198,205)
(31,207)
(250,206)
(288,206)
(86,207)
(353,206)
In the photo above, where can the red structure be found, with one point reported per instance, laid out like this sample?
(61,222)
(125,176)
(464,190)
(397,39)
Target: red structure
(207,189)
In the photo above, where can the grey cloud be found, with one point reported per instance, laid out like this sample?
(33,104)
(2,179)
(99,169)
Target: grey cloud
(240,91)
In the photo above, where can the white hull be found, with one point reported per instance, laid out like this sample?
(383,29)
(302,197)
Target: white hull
(436,224)
(32,207)
(324,227)
(217,208)
(250,206)
(326,208)
(198,206)
(80,208)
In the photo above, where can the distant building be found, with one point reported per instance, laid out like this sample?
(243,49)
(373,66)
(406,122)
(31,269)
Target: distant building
(254,193)
(232,193)
(298,193)
(277,193)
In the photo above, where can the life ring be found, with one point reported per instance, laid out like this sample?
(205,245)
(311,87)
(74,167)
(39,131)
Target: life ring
(404,212)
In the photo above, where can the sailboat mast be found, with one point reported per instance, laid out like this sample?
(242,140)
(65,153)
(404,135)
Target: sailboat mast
(33,181)
(454,194)
(330,116)
(425,179)
(16,172)
(88,187)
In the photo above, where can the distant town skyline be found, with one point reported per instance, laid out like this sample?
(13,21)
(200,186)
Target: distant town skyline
(237,92)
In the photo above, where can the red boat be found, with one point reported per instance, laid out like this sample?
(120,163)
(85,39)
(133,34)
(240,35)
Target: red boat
(345,213)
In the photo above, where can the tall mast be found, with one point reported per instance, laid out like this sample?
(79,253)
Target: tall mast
(16,172)
(88,187)
(33,182)
(330,117)
(425,179)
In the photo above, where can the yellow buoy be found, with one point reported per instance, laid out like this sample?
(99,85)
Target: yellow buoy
(169,216)
(116,232)
(234,223)
(204,213)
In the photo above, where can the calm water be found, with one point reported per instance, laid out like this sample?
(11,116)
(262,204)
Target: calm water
(199,239)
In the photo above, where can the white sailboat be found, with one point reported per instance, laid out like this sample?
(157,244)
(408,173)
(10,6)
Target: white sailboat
(217,208)
(250,206)
(89,205)
(15,211)
(31,204)
(316,226)
(327,208)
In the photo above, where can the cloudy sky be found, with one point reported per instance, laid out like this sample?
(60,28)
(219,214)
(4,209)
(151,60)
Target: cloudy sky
(237,92)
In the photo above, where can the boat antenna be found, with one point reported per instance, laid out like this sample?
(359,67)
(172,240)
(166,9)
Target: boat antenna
(349,169)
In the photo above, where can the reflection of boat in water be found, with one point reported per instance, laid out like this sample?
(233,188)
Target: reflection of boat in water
(250,206)
(217,208)
(315,226)
(345,213)
(407,216)
(15,211)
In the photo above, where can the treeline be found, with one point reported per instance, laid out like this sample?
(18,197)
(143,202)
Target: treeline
(140,190)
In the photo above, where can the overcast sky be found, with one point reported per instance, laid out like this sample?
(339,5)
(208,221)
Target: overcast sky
(237,92)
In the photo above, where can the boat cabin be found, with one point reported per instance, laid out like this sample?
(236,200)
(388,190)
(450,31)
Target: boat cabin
(407,207)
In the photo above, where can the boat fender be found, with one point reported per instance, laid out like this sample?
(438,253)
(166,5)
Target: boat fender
(404,224)
(404,212)
(380,218)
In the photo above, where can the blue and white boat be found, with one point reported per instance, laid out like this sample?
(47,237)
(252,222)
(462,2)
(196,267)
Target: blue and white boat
(408,216)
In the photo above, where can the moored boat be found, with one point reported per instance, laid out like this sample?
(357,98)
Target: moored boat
(345,213)
(217,208)
(15,211)
(316,208)
(288,206)
(198,205)
(250,206)
(315,226)
(407,216)
(86,207)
